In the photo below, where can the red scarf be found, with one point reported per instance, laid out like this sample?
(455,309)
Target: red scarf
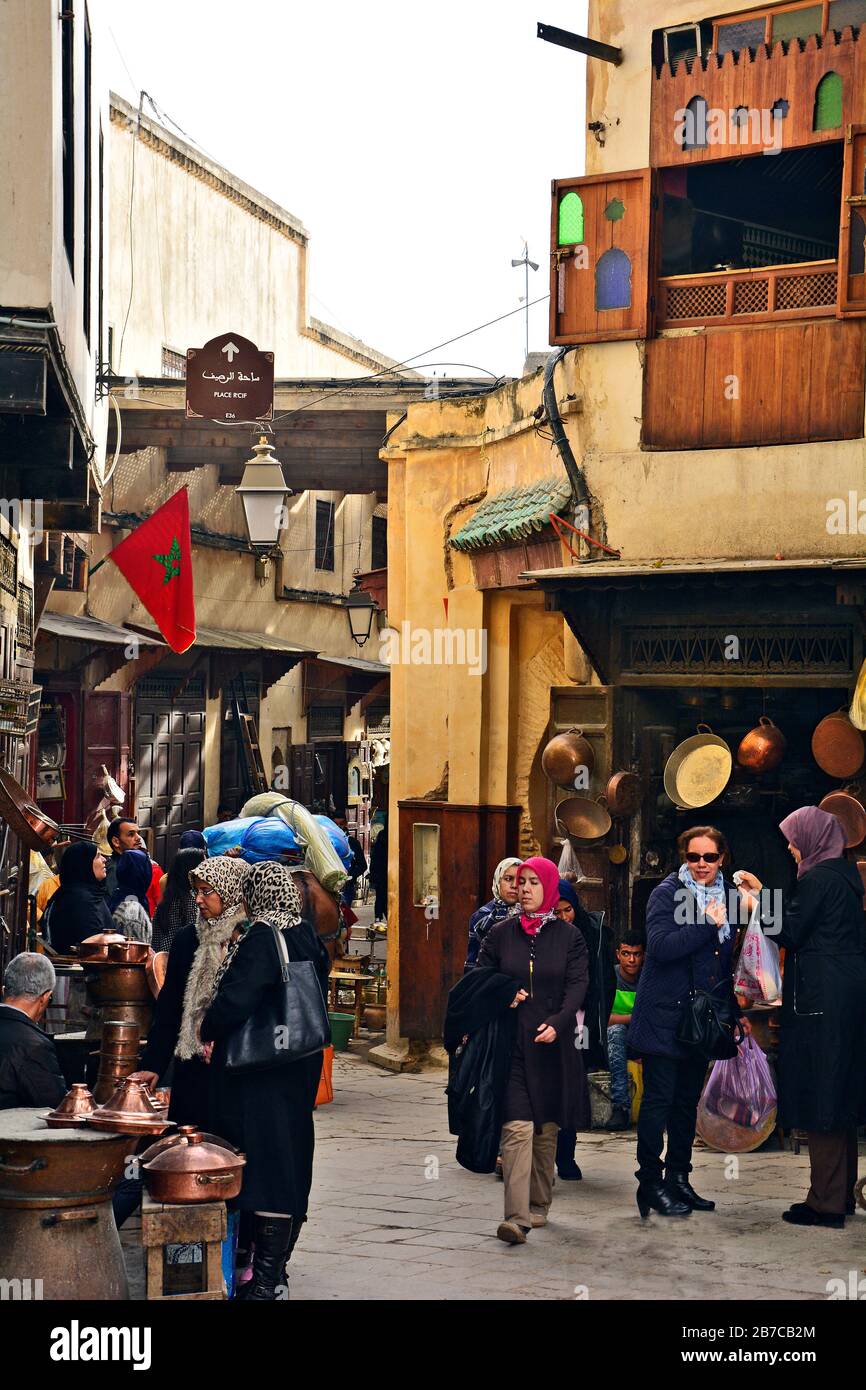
(548,873)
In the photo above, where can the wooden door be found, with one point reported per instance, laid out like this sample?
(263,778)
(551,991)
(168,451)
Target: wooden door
(106,737)
(852,231)
(233,784)
(169,742)
(302,773)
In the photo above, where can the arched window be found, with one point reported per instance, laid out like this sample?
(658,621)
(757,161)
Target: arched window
(695,124)
(571,220)
(828,103)
(613,280)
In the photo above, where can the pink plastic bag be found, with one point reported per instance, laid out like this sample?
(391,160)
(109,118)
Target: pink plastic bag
(758,972)
(738,1107)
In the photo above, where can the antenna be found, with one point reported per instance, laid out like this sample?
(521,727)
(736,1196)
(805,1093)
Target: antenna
(527,264)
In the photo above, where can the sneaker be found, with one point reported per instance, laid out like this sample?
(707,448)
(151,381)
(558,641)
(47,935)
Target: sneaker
(801,1214)
(511,1233)
(619,1119)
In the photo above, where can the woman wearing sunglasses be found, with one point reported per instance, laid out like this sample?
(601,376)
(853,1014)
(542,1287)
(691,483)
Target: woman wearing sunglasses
(686,926)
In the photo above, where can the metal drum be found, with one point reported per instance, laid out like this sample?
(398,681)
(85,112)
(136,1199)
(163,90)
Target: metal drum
(56,1222)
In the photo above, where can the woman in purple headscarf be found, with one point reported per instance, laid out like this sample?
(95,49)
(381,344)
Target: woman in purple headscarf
(822,1057)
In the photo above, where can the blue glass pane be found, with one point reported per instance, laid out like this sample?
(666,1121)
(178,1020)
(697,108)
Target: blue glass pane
(613,280)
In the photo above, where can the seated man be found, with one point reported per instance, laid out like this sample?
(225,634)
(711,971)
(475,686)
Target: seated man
(629,963)
(29,1071)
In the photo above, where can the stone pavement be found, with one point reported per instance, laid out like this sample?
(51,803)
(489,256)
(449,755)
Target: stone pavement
(393,1217)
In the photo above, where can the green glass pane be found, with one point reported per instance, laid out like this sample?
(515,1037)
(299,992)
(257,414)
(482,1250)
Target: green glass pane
(797,24)
(615,210)
(828,102)
(571,220)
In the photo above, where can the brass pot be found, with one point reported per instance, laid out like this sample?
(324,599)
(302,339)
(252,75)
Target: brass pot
(192,1167)
(564,754)
(584,821)
(129,952)
(763,747)
(838,747)
(698,769)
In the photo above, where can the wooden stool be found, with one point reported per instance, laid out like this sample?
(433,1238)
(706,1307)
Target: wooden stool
(343,979)
(199,1223)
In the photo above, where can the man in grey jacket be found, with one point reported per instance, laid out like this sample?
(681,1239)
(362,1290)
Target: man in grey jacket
(29,1070)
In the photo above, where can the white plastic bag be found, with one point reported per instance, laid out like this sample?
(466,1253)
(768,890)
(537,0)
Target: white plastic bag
(758,973)
(569,864)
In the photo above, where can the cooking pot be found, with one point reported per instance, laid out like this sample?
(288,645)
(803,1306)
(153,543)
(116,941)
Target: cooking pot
(837,746)
(850,814)
(763,747)
(564,754)
(96,947)
(42,1167)
(698,769)
(583,820)
(191,1166)
(130,1110)
(129,952)
(73,1110)
(623,793)
(24,818)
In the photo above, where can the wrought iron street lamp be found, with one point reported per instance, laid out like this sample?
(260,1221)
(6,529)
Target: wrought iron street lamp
(264,492)
(359,610)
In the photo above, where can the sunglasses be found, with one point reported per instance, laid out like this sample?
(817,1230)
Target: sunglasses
(708,858)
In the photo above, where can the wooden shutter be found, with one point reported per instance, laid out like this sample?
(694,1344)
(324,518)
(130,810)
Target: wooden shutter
(302,773)
(106,739)
(852,229)
(598,288)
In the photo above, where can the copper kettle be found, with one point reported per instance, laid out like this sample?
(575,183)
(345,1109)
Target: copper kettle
(763,747)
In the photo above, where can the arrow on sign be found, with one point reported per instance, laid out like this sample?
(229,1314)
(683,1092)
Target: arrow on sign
(231,351)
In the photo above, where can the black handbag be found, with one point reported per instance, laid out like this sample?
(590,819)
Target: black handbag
(290,1023)
(709,1026)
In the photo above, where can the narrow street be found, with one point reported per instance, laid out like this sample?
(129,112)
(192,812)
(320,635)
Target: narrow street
(393,1216)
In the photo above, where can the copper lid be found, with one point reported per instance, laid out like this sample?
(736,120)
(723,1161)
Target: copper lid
(75,1106)
(191,1151)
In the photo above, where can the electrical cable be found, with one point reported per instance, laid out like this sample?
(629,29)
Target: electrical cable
(110,474)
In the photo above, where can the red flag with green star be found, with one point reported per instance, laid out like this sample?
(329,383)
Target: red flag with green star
(156,561)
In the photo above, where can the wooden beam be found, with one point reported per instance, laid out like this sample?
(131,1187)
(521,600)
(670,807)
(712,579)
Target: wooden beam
(36,444)
(72,516)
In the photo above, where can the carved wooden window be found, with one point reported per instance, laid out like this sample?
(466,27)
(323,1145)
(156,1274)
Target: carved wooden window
(852,237)
(828,103)
(571,219)
(599,287)
(694,135)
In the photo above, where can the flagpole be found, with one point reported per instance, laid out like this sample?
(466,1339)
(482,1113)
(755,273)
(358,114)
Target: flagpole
(93,568)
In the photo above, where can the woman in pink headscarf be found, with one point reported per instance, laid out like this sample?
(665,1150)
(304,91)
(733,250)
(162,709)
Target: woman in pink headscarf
(547,1088)
(822,1053)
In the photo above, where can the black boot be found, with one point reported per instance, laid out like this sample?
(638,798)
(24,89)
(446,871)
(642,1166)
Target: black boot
(619,1119)
(565,1164)
(679,1187)
(273,1239)
(655,1196)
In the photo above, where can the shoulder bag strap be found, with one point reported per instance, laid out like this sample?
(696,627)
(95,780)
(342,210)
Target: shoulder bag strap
(282,952)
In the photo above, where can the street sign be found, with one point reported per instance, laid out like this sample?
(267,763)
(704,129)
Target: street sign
(230,380)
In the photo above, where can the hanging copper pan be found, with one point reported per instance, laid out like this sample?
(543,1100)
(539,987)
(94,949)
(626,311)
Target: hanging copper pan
(583,820)
(850,814)
(24,818)
(623,793)
(564,754)
(838,747)
(698,770)
(763,747)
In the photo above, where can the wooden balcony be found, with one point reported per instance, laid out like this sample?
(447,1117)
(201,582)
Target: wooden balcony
(768,293)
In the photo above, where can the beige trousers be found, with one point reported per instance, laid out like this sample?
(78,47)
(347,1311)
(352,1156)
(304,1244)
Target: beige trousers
(527,1167)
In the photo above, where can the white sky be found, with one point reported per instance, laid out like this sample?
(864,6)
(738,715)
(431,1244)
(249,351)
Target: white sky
(415,142)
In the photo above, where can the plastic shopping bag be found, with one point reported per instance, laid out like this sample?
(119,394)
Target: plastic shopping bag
(737,1111)
(569,864)
(758,973)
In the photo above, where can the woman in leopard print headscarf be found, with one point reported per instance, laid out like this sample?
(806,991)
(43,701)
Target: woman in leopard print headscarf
(267,1114)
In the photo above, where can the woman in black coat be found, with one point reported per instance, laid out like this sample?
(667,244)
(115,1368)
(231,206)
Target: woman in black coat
(79,908)
(267,1114)
(822,1049)
(546,1088)
(689,938)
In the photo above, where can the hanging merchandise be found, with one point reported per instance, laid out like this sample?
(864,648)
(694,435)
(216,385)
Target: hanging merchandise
(737,1111)
(758,973)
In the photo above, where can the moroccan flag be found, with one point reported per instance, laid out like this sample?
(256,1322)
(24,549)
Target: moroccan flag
(156,561)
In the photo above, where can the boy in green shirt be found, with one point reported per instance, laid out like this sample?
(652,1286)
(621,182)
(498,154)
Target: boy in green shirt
(629,963)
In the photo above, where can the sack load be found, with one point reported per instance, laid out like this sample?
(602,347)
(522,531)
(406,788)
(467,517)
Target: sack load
(326,848)
(737,1111)
(326,854)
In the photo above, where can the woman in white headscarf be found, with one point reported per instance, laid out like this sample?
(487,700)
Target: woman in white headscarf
(504,900)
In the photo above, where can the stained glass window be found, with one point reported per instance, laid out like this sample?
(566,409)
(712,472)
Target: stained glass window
(828,102)
(613,280)
(615,210)
(746,33)
(571,220)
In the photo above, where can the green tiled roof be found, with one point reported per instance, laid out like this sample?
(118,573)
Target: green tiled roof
(514,514)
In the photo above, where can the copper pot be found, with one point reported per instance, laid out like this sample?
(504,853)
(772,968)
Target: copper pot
(129,1110)
(107,981)
(42,1167)
(96,947)
(837,746)
(623,794)
(73,1110)
(192,1167)
(583,820)
(564,754)
(763,747)
(119,1030)
(850,814)
(129,952)
(24,818)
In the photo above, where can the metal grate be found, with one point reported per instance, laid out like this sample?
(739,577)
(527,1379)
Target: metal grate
(326,721)
(695,302)
(806,291)
(8,565)
(166,687)
(173,364)
(751,296)
(25,617)
(666,650)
